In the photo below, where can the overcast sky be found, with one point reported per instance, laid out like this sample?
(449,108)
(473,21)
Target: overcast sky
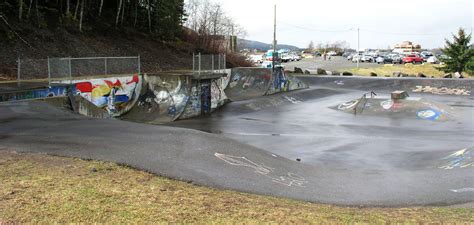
(382,23)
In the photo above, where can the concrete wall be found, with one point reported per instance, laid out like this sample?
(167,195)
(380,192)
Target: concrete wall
(163,98)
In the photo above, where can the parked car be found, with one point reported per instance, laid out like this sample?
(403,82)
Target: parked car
(349,57)
(412,59)
(286,58)
(332,53)
(432,60)
(295,57)
(383,60)
(256,58)
(396,58)
(367,58)
(347,54)
(356,58)
(426,55)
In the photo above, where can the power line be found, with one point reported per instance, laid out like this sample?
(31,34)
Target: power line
(361,30)
(316,30)
(402,34)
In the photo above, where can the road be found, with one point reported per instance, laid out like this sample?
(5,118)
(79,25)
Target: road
(337,63)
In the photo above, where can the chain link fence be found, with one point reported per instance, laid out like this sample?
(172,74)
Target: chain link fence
(54,69)
(209,63)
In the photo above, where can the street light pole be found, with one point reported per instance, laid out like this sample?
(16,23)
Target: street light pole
(358,47)
(274,39)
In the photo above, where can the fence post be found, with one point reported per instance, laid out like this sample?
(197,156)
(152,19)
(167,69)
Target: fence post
(219,62)
(194,59)
(225,61)
(18,71)
(199,63)
(212,58)
(105,65)
(70,70)
(49,72)
(139,65)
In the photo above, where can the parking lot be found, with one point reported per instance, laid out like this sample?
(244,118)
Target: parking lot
(337,63)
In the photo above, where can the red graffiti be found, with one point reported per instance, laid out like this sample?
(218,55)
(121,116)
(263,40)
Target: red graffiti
(84,87)
(135,79)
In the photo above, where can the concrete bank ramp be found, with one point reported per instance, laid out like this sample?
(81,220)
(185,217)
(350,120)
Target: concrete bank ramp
(460,87)
(249,83)
(163,99)
(409,108)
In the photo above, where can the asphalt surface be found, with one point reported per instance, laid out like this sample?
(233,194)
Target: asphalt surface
(337,63)
(290,145)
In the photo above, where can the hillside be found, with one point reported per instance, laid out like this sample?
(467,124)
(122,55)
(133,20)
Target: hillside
(248,44)
(155,55)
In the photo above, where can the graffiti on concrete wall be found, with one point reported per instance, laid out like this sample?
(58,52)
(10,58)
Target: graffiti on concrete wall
(279,82)
(348,105)
(116,95)
(218,96)
(162,99)
(288,179)
(54,91)
(463,158)
(429,114)
(441,91)
(193,106)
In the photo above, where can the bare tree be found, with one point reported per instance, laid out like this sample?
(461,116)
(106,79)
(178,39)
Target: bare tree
(20,10)
(68,2)
(77,9)
(100,7)
(149,15)
(81,16)
(119,8)
(29,9)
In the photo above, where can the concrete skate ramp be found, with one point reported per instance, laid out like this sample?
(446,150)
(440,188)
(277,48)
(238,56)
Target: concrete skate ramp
(462,87)
(347,170)
(163,99)
(248,83)
(409,108)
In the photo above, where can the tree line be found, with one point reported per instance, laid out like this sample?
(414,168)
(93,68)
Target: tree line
(210,24)
(163,18)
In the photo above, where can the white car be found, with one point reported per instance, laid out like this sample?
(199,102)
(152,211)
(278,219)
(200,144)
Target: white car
(367,58)
(256,58)
(432,60)
(295,57)
(356,58)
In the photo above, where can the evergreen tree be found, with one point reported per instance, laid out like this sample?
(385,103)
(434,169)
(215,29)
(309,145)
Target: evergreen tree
(460,54)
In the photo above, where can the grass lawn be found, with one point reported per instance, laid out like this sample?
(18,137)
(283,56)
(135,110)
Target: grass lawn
(387,70)
(39,188)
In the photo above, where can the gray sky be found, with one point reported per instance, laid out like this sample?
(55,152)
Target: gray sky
(382,23)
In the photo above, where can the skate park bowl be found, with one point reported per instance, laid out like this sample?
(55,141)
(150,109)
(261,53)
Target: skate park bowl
(306,144)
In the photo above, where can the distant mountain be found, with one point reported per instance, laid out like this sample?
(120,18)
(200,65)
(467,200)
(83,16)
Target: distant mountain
(248,44)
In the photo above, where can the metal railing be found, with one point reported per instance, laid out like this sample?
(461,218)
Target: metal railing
(359,108)
(209,63)
(54,69)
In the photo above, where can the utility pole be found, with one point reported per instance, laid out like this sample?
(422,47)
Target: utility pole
(358,47)
(274,38)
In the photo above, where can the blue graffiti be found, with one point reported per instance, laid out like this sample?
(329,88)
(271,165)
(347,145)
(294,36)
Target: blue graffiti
(429,114)
(39,93)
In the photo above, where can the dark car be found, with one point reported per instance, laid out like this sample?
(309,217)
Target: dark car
(383,60)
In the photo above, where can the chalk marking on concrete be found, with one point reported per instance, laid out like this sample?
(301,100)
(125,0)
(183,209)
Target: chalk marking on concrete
(289,180)
(462,190)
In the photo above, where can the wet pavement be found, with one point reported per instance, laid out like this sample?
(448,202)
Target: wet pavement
(310,130)
(293,145)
